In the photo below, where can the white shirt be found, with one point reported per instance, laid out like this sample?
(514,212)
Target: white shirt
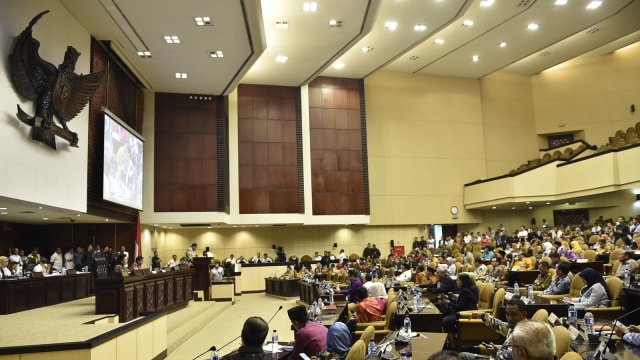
(172,263)
(342,256)
(56,261)
(405,276)
(522,234)
(267,260)
(376,289)
(230,260)
(256,259)
(68,261)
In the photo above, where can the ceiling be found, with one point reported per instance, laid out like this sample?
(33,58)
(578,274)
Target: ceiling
(245,31)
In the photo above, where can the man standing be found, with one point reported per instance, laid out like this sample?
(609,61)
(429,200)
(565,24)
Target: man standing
(57,261)
(367,251)
(254,332)
(516,312)
(217,273)
(191,253)
(310,337)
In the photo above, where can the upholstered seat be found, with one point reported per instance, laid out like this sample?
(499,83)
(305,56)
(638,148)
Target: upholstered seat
(357,351)
(562,340)
(485,301)
(574,290)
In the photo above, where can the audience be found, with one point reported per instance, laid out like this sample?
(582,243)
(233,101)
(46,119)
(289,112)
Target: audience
(254,332)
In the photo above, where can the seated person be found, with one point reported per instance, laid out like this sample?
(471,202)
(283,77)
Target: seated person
(560,282)
(376,289)
(603,247)
(533,340)
(289,273)
(522,262)
(173,262)
(368,309)
(421,275)
(254,332)
(5,270)
(594,294)
(627,264)
(121,266)
(42,267)
(310,337)
(338,341)
(354,283)
(447,284)
(465,299)
(543,280)
(406,273)
(137,265)
(481,269)
(318,269)
(629,334)
(496,271)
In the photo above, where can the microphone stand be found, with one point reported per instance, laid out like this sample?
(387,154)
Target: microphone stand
(604,354)
(213,348)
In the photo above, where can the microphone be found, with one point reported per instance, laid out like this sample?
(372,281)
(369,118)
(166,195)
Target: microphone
(274,314)
(213,348)
(601,352)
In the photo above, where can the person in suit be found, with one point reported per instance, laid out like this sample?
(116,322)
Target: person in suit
(465,299)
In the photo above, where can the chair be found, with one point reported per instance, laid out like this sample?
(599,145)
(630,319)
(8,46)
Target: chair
(485,301)
(590,255)
(574,291)
(613,257)
(615,286)
(305,258)
(367,334)
(357,351)
(562,340)
(571,355)
(383,327)
(541,315)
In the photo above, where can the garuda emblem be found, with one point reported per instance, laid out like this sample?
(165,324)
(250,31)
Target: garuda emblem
(58,92)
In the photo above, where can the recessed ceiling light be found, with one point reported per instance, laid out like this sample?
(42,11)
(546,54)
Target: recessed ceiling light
(181,75)
(282,24)
(467,23)
(144,54)
(107,220)
(475,58)
(548,203)
(45,218)
(493,207)
(420,27)
(530,207)
(281,59)
(533,26)
(202,20)
(3,208)
(528,202)
(310,6)
(513,208)
(561,2)
(391,25)
(172,39)
(502,43)
(333,23)
(216,54)
(78,215)
(438,41)
(366,48)
(40,207)
(594,4)
(4,213)
(486,3)
(338,65)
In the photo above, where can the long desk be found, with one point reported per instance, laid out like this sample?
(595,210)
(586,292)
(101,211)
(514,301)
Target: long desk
(25,294)
(252,275)
(427,319)
(576,266)
(422,346)
(133,296)
(522,277)
(282,287)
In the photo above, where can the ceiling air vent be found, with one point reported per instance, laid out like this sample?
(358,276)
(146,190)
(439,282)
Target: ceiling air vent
(195,225)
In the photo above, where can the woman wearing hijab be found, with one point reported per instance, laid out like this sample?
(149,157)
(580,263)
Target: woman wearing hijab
(594,294)
(338,341)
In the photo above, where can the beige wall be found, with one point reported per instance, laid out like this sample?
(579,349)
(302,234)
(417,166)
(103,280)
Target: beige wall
(508,122)
(592,94)
(425,139)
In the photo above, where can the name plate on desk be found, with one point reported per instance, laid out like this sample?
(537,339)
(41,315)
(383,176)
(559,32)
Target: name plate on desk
(582,260)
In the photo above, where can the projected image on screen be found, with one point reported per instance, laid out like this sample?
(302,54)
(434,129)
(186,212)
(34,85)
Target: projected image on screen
(122,177)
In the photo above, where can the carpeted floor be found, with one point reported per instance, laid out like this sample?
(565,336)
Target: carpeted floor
(190,331)
(224,326)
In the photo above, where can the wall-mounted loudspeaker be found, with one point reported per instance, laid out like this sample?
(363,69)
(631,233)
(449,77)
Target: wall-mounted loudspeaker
(335,245)
(391,242)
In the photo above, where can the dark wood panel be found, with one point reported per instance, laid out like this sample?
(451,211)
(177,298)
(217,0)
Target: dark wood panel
(316,139)
(317,160)
(162,172)
(318,181)
(245,177)
(275,154)
(209,146)
(289,154)
(260,133)
(329,138)
(178,172)
(331,182)
(354,119)
(341,98)
(355,140)
(355,161)
(357,181)
(315,97)
(315,118)
(353,99)
(342,119)
(328,118)
(261,199)
(274,108)
(245,153)
(274,131)
(289,109)
(245,129)
(276,178)
(245,106)
(289,131)
(290,175)
(328,97)
(319,207)
(259,108)
(344,161)
(246,201)
(261,177)
(342,139)
(193,168)
(209,172)
(261,153)
(330,160)
(193,146)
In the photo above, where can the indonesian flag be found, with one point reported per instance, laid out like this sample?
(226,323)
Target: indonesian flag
(138,247)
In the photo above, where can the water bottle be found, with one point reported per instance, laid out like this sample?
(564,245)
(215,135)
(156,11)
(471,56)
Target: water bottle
(372,347)
(627,277)
(572,316)
(416,303)
(530,293)
(274,342)
(403,356)
(64,270)
(582,255)
(521,265)
(407,324)
(588,323)
(214,355)
(516,289)
(508,263)
(331,297)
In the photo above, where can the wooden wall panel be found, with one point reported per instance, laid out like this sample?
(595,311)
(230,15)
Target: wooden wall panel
(190,154)
(270,139)
(338,147)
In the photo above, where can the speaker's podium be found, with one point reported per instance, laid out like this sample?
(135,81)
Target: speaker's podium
(202,278)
